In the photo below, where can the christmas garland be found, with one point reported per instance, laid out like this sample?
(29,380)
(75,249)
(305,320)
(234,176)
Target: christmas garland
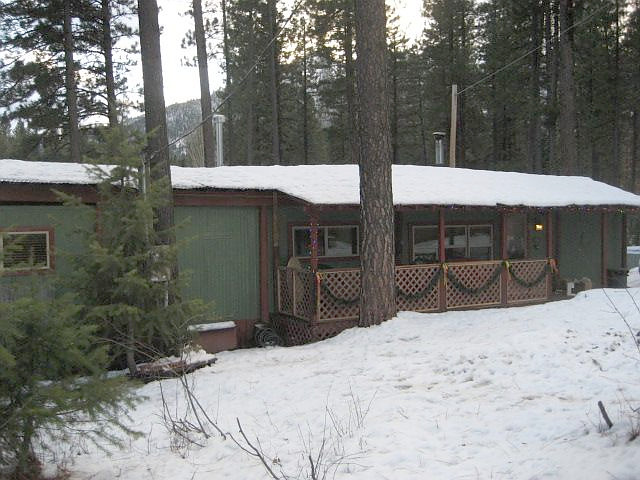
(523,283)
(345,302)
(422,293)
(455,281)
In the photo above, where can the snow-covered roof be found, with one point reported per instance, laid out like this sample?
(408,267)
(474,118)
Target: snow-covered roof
(339,184)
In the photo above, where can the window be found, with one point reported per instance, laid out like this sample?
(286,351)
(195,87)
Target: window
(25,250)
(480,242)
(516,235)
(333,241)
(425,244)
(461,242)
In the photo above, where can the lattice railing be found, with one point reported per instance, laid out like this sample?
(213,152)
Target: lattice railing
(418,287)
(297,293)
(339,294)
(528,281)
(473,284)
(333,295)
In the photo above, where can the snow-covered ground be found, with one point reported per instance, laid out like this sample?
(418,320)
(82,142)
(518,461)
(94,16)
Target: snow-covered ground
(491,394)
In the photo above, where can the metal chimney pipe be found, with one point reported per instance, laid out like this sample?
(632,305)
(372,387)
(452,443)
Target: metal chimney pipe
(439,140)
(218,121)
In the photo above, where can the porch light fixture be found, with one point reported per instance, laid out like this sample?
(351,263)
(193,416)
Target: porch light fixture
(539,227)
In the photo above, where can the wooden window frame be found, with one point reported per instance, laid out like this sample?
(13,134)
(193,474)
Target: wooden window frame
(323,226)
(49,268)
(466,225)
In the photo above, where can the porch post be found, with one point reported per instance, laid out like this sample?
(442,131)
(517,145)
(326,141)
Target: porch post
(623,242)
(313,224)
(504,275)
(313,234)
(550,250)
(275,241)
(549,223)
(604,243)
(441,256)
(264,265)
(399,244)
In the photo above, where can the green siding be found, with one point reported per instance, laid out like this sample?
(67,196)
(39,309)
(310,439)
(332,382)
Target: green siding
(614,240)
(67,223)
(219,246)
(579,246)
(219,249)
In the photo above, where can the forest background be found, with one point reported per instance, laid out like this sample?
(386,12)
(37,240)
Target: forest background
(545,86)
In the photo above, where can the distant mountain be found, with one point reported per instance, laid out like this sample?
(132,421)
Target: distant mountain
(181,118)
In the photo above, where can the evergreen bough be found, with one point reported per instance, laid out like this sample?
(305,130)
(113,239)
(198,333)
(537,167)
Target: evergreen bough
(53,383)
(125,279)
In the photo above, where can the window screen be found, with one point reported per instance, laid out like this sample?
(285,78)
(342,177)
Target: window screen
(516,236)
(335,241)
(25,250)
(425,244)
(461,242)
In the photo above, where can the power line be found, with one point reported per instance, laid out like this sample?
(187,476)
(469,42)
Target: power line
(526,54)
(239,83)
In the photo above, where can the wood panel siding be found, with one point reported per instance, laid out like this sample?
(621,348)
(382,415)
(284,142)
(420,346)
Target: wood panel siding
(220,256)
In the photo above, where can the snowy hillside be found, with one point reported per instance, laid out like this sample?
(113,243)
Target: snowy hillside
(493,394)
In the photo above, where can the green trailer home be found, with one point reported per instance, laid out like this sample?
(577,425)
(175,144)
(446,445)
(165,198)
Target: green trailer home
(280,244)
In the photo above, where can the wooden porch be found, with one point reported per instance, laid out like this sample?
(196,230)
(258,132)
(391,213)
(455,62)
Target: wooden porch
(317,305)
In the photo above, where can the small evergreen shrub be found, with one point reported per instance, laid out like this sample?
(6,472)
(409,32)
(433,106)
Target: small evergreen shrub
(53,383)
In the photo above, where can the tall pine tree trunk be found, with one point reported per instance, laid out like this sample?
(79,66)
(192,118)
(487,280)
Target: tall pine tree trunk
(70,85)
(461,160)
(534,151)
(377,291)
(107,48)
(155,116)
(423,126)
(495,127)
(551,81)
(567,98)
(250,99)
(617,168)
(229,123)
(635,147)
(350,82)
(593,134)
(305,96)
(274,83)
(205,92)
(394,105)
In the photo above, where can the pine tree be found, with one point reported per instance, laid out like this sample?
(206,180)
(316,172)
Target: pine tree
(123,281)
(53,382)
(332,24)
(447,56)
(377,272)
(205,92)
(631,54)
(157,150)
(57,71)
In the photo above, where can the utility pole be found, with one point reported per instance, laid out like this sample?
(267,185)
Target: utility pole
(454,123)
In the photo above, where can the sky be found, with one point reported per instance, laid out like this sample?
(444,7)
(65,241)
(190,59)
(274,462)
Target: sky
(181,82)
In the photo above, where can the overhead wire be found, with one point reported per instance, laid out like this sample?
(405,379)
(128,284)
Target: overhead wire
(238,84)
(529,52)
(294,10)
